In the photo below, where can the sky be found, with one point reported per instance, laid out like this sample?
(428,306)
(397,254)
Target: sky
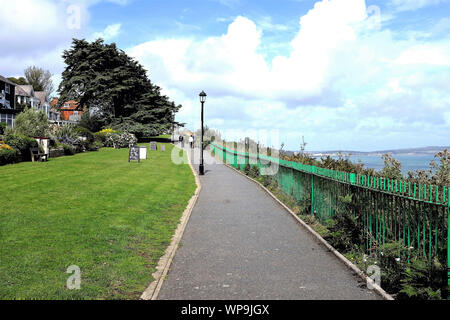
(343,74)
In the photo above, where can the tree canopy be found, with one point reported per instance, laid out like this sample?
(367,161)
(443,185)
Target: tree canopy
(110,83)
(18,81)
(40,79)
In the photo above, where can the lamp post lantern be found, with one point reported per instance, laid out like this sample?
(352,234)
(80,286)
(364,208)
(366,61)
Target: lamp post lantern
(201,170)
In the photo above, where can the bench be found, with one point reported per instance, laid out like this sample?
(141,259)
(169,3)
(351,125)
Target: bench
(37,154)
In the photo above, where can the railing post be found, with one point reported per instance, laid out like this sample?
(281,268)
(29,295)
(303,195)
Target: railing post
(312,190)
(352,178)
(247,150)
(257,157)
(257,153)
(224,154)
(235,154)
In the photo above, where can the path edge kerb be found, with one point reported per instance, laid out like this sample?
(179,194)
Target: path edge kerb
(152,291)
(347,262)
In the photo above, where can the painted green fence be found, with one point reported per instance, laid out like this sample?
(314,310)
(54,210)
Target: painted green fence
(387,209)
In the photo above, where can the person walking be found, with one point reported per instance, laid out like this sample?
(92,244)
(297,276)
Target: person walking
(191,141)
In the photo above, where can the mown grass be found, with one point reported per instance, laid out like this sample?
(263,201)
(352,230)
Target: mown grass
(112,218)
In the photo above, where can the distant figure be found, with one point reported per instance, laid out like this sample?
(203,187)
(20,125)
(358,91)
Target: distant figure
(180,138)
(191,141)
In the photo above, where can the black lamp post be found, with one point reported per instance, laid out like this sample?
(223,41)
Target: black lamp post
(202,167)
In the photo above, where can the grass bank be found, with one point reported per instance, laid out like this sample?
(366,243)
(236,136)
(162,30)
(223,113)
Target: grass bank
(95,210)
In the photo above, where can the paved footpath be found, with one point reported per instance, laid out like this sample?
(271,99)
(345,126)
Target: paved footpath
(241,244)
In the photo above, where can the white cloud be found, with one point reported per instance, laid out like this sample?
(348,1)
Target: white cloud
(109,33)
(231,64)
(425,54)
(410,5)
(342,83)
(36,32)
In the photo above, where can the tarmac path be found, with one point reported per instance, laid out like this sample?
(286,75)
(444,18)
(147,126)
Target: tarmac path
(240,244)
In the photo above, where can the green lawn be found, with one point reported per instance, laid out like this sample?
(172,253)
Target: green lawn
(112,218)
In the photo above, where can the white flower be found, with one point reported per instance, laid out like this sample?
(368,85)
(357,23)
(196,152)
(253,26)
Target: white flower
(397,259)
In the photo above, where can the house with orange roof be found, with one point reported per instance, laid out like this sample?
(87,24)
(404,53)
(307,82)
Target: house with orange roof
(70,110)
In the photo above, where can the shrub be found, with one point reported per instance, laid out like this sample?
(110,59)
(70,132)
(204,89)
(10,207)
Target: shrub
(4,146)
(91,122)
(107,130)
(254,172)
(32,123)
(102,136)
(392,265)
(86,137)
(2,127)
(7,154)
(423,280)
(345,233)
(67,135)
(95,146)
(83,132)
(99,136)
(124,140)
(68,150)
(22,144)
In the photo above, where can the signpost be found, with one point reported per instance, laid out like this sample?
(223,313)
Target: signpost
(135,154)
(143,152)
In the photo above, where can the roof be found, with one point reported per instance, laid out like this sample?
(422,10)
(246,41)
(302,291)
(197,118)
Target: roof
(41,95)
(73,105)
(20,92)
(28,89)
(7,81)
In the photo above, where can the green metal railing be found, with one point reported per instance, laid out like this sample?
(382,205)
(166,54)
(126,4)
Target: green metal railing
(387,209)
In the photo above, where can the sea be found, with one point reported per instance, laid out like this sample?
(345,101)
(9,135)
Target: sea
(409,162)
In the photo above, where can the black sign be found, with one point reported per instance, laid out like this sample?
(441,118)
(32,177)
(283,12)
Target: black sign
(135,154)
(153,146)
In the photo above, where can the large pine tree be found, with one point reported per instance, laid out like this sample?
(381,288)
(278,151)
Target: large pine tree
(103,78)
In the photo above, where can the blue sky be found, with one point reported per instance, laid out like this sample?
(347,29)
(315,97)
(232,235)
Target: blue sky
(345,74)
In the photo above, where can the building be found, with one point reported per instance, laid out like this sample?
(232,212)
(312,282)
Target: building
(26,96)
(7,101)
(44,103)
(70,110)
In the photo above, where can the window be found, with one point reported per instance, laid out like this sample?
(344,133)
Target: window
(7,118)
(10,120)
(7,88)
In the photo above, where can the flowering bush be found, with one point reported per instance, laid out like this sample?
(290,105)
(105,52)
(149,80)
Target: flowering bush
(105,131)
(123,140)
(7,154)
(22,144)
(4,146)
